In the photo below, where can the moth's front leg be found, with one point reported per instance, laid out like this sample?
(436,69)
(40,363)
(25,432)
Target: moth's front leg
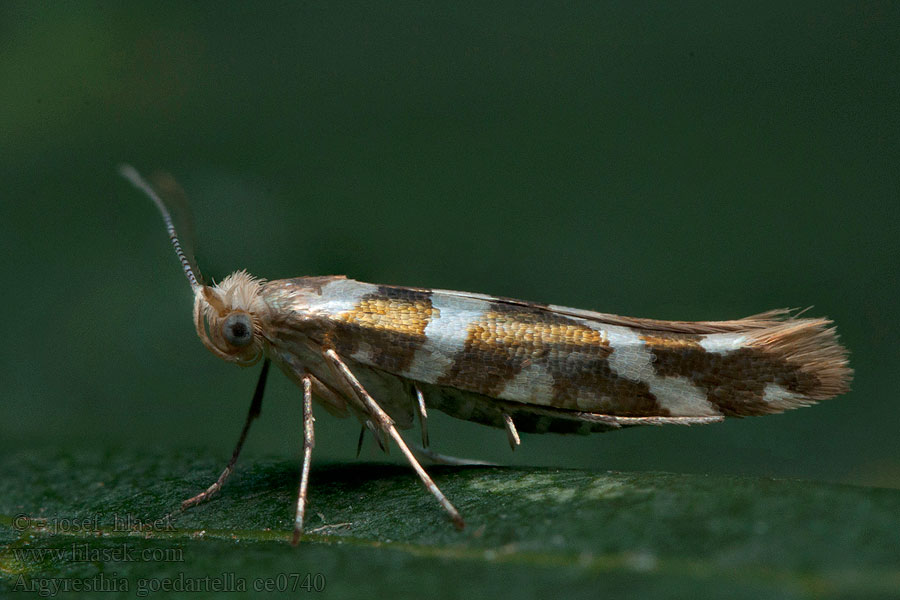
(255,408)
(386,424)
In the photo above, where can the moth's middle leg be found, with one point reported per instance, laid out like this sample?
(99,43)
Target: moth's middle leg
(385,423)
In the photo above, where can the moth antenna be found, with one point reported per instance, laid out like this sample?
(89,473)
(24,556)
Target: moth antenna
(214,300)
(186,258)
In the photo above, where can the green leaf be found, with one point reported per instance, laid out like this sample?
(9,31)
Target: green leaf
(69,520)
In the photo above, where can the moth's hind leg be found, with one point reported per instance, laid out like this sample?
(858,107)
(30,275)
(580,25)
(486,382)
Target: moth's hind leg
(385,423)
(443,459)
(255,408)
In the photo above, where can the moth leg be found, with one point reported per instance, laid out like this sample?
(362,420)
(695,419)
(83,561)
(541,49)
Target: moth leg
(309,440)
(376,433)
(444,459)
(362,434)
(387,424)
(511,433)
(255,408)
(423,416)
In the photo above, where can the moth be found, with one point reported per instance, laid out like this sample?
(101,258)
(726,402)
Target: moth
(387,354)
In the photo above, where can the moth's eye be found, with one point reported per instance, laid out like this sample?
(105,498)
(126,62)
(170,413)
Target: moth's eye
(238,329)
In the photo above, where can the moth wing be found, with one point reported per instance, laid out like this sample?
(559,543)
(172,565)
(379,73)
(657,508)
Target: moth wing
(647,369)
(468,350)
(756,321)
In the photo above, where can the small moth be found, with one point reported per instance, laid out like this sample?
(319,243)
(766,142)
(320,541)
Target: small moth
(387,354)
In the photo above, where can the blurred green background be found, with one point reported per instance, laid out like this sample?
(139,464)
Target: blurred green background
(676,161)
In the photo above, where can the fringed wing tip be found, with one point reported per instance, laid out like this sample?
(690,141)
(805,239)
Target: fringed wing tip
(812,347)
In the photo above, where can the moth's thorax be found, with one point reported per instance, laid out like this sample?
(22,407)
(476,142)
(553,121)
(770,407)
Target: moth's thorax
(304,312)
(232,307)
(311,296)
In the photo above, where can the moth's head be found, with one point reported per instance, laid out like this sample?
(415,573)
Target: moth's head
(228,317)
